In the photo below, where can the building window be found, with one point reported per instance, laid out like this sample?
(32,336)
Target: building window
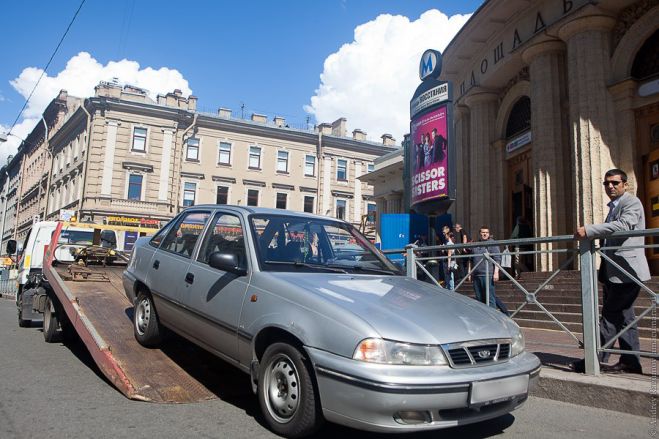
(341,170)
(135,187)
(139,139)
(281,201)
(370,167)
(252,197)
(192,150)
(254,157)
(309,165)
(308,204)
(189,193)
(370,212)
(341,209)
(225,154)
(222,195)
(282,161)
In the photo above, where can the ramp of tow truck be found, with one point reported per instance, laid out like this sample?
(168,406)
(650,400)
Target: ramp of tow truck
(101,315)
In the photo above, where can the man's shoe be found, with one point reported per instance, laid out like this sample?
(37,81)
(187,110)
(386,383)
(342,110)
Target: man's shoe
(620,367)
(578,366)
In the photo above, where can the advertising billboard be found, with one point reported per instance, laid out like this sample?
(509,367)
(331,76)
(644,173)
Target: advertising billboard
(429,155)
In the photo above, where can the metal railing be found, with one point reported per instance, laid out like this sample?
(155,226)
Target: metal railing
(562,252)
(8,287)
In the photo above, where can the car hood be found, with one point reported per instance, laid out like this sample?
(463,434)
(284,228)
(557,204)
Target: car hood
(404,309)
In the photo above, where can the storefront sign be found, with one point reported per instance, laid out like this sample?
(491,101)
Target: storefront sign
(518,142)
(132,221)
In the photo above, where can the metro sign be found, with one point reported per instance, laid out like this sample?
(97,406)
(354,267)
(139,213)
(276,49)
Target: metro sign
(430,65)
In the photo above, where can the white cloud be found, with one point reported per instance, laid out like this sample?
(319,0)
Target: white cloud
(371,80)
(81,74)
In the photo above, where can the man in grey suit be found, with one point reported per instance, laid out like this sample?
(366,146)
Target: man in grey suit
(620,291)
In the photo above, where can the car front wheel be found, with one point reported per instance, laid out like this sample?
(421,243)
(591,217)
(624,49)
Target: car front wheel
(145,321)
(286,392)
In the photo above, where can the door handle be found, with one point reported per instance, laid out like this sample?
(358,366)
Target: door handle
(189,278)
(156,264)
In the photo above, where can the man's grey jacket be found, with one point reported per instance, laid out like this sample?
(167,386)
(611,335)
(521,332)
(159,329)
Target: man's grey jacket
(628,215)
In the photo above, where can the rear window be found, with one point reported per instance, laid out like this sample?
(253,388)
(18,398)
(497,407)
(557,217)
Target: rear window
(76,237)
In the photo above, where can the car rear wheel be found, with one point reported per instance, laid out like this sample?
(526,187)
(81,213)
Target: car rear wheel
(286,392)
(50,322)
(145,321)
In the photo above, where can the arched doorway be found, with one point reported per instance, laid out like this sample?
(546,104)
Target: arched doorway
(518,155)
(645,70)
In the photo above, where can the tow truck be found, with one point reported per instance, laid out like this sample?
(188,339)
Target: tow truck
(77,288)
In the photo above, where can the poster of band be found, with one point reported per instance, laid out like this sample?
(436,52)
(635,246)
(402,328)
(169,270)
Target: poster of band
(429,155)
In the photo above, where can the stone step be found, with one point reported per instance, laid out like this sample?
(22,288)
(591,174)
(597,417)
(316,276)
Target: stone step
(574,327)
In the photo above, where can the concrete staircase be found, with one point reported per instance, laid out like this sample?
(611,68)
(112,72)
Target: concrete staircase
(562,298)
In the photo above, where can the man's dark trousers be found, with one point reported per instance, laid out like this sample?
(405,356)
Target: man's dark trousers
(480,290)
(617,313)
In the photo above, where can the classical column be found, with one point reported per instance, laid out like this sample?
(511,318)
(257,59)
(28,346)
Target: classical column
(462,161)
(549,126)
(485,167)
(592,119)
(624,152)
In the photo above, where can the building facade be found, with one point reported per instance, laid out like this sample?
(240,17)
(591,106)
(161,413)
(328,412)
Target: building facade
(549,94)
(120,158)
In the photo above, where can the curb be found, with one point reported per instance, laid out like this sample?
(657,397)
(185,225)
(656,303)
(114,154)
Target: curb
(626,393)
(7,296)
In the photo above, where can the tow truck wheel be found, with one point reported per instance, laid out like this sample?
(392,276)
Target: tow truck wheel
(23,323)
(286,392)
(50,322)
(145,321)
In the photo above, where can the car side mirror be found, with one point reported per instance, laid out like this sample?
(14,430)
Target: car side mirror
(226,262)
(11,247)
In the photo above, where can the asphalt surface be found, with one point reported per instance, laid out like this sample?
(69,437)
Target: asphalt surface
(54,390)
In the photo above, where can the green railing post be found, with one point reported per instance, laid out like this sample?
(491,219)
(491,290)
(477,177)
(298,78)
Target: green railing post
(589,305)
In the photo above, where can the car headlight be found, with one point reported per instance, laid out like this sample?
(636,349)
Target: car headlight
(518,344)
(377,350)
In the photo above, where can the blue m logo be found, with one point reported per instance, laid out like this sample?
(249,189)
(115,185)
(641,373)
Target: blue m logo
(427,65)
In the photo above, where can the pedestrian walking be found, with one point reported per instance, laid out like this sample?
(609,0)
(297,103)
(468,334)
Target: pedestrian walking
(486,273)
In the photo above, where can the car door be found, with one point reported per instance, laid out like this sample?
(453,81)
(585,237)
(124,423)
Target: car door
(215,297)
(168,267)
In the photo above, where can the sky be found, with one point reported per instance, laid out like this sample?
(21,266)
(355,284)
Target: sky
(310,61)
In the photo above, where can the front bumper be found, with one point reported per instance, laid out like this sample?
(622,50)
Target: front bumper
(372,396)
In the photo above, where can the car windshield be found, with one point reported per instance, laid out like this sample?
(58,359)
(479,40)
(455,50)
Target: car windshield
(291,243)
(76,237)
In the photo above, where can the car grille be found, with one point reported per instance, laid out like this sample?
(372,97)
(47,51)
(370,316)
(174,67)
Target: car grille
(476,353)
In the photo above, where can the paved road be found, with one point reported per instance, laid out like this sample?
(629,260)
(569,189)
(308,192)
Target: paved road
(54,390)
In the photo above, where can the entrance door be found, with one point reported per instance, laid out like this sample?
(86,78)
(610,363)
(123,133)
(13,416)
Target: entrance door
(647,135)
(521,191)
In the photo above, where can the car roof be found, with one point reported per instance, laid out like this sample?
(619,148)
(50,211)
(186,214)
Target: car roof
(263,210)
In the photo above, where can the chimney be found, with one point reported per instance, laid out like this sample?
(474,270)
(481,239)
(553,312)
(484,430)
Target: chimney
(339,127)
(388,140)
(224,113)
(325,128)
(259,118)
(177,92)
(192,103)
(358,134)
(161,100)
(279,121)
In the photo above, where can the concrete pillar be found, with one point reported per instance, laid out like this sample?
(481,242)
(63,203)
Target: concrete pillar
(592,119)
(551,154)
(625,150)
(485,173)
(381,208)
(462,160)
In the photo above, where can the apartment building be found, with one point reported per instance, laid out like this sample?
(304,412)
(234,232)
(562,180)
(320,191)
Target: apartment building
(121,158)
(11,178)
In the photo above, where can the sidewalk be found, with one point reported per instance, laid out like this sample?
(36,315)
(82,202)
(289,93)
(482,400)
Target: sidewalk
(629,393)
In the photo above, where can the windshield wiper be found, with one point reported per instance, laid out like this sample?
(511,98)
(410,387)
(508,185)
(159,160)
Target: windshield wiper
(307,265)
(362,268)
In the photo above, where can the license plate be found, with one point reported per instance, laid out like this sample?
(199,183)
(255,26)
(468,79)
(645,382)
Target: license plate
(493,391)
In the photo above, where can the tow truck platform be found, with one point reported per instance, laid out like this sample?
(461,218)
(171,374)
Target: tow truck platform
(101,314)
